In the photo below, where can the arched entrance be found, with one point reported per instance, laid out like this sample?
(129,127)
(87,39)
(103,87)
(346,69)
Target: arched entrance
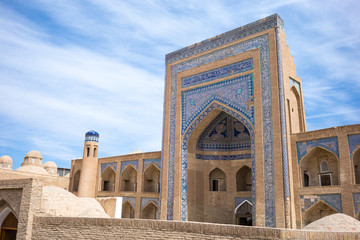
(317,211)
(108,179)
(218,145)
(152,179)
(243,214)
(129,179)
(243,179)
(149,211)
(76,181)
(8,225)
(127,210)
(356,161)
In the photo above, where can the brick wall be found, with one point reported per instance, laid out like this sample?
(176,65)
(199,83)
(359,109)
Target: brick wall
(96,228)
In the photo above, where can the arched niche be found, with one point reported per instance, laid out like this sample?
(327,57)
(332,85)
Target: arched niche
(318,210)
(149,211)
(129,179)
(108,179)
(8,224)
(319,167)
(356,165)
(217,180)
(295,111)
(127,210)
(243,214)
(76,181)
(152,179)
(244,179)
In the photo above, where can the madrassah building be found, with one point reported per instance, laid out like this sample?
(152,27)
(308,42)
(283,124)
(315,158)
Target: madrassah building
(235,149)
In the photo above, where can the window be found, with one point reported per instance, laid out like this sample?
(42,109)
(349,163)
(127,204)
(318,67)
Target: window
(94,152)
(325,179)
(215,185)
(88,152)
(324,167)
(306,179)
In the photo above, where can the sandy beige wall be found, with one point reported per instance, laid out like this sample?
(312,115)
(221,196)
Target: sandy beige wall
(92,228)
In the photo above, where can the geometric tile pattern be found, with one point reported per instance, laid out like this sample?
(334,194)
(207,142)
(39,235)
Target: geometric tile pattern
(224,133)
(134,163)
(334,200)
(330,144)
(356,200)
(262,44)
(354,142)
(148,162)
(237,93)
(217,73)
(113,165)
(296,84)
(223,157)
(132,200)
(145,201)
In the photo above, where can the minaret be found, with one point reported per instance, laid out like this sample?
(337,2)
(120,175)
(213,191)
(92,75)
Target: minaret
(87,184)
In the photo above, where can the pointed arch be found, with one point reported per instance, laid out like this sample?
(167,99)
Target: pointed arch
(128,210)
(108,179)
(318,210)
(243,179)
(356,165)
(76,181)
(217,180)
(8,224)
(189,140)
(149,211)
(295,111)
(313,169)
(129,179)
(152,178)
(243,213)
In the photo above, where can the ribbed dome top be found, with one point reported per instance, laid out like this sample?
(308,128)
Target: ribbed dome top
(50,164)
(33,154)
(92,135)
(336,222)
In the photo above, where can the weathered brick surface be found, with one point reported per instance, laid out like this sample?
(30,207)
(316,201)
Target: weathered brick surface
(92,228)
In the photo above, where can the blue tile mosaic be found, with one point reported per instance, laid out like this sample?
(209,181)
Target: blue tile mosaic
(240,200)
(185,146)
(224,133)
(356,201)
(260,43)
(296,84)
(354,143)
(145,201)
(113,165)
(92,136)
(223,157)
(330,144)
(134,163)
(194,101)
(334,200)
(217,73)
(131,200)
(148,162)
(282,119)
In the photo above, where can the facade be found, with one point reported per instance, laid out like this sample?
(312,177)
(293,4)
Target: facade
(235,147)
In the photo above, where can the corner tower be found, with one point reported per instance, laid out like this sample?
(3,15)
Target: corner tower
(87,182)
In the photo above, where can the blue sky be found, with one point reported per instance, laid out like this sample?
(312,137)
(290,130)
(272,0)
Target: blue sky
(70,66)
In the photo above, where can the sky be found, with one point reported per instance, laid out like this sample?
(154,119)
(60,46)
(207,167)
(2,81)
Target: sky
(67,67)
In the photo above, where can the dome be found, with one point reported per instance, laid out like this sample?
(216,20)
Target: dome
(336,223)
(5,159)
(92,136)
(33,154)
(32,169)
(58,202)
(50,164)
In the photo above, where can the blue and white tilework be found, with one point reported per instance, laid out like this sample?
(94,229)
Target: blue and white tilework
(145,201)
(237,93)
(223,157)
(356,200)
(354,142)
(113,165)
(224,133)
(92,136)
(261,43)
(330,144)
(217,73)
(296,84)
(240,200)
(134,163)
(334,200)
(148,162)
(282,118)
(131,200)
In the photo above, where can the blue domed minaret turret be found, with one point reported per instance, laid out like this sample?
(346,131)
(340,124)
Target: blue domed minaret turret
(89,164)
